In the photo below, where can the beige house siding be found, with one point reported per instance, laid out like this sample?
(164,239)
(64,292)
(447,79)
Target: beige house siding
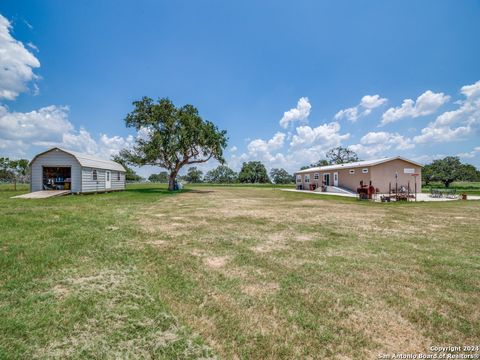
(318,182)
(383,174)
(352,181)
(380,174)
(345,179)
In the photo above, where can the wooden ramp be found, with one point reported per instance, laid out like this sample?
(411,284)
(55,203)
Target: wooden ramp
(43,194)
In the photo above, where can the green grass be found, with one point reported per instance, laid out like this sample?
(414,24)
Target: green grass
(234,272)
(467,187)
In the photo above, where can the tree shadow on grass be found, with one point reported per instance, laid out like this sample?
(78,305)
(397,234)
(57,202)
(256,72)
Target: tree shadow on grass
(193,191)
(159,191)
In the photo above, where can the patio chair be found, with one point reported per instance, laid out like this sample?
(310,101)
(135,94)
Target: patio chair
(452,194)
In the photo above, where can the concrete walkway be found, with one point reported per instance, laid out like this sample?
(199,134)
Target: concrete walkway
(320,192)
(420,197)
(42,194)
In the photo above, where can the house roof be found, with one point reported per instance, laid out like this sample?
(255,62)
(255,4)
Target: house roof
(357,164)
(87,160)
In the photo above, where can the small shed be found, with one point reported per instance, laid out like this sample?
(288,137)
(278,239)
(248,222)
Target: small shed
(60,169)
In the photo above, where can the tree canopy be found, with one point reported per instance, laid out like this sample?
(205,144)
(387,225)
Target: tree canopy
(194,175)
(13,170)
(222,174)
(341,155)
(171,137)
(253,172)
(427,174)
(161,177)
(321,162)
(448,170)
(281,176)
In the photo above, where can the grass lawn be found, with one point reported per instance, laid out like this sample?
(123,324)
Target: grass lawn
(467,187)
(234,272)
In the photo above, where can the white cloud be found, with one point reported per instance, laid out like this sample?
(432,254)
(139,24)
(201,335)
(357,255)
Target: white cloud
(16,64)
(48,123)
(471,91)
(372,101)
(113,145)
(233,149)
(470,154)
(458,124)
(364,108)
(48,127)
(264,148)
(30,26)
(306,145)
(80,141)
(300,113)
(434,133)
(377,143)
(327,134)
(350,114)
(426,104)
(425,158)
(33,46)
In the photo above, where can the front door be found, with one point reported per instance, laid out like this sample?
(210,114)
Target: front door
(326,179)
(108,180)
(335,179)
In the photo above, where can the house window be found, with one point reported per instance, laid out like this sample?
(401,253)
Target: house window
(307,178)
(352,171)
(365,171)
(108,175)
(118,175)
(299,178)
(316,176)
(94,175)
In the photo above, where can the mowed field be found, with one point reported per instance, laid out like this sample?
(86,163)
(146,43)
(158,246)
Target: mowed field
(234,273)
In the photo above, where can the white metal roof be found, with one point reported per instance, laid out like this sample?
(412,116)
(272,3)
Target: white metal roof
(87,160)
(356,164)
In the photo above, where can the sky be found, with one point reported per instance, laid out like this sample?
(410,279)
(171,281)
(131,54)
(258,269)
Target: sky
(288,80)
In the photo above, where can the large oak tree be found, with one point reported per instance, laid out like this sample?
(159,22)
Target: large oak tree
(172,137)
(253,172)
(341,155)
(448,170)
(222,174)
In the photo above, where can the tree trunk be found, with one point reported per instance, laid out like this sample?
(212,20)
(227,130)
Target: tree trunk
(171,181)
(447,183)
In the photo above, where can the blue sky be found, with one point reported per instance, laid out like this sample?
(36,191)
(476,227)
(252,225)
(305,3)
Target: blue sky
(287,80)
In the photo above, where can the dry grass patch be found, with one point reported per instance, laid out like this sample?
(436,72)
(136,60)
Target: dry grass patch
(216,262)
(260,289)
(259,237)
(387,329)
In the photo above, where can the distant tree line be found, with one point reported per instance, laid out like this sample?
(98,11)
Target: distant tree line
(252,172)
(14,171)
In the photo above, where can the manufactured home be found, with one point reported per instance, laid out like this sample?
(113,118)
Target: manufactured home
(383,174)
(60,169)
